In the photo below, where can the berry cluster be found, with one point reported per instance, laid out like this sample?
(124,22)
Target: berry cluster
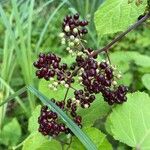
(49,122)
(73,26)
(73,31)
(84,98)
(49,125)
(49,65)
(99,77)
(95,77)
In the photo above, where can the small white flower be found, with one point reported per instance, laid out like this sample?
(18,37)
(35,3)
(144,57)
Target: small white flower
(62,82)
(71,44)
(86,105)
(70,51)
(67,28)
(66,85)
(75,30)
(68,48)
(72,37)
(55,83)
(76,40)
(114,83)
(61,35)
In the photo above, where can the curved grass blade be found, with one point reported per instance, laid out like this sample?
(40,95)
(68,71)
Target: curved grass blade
(73,127)
(22,90)
(12,92)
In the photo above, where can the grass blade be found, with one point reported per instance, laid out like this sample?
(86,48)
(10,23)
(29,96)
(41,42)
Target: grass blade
(46,25)
(22,90)
(73,127)
(12,92)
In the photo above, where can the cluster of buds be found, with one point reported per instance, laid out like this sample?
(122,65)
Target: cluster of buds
(73,31)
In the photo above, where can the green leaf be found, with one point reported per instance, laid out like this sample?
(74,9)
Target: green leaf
(52,145)
(146,81)
(59,94)
(73,127)
(116,15)
(97,137)
(130,122)
(10,133)
(33,121)
(97,110)
(124,57)
(36,141)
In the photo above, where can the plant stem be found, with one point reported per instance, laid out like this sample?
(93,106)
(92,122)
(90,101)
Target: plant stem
(66,94)
(119,37)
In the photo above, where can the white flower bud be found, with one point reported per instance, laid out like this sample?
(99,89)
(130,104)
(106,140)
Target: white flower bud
(63,42)
(70,51)
(75,30)
(114,83)
(119,76)
(68,48)
(76,40)
(71,44)
(72,37)
(82,69)
(61,35)
(80,53)
(97,70)
(86,105)
(67,28)
(66,85)
(80,78)
(55,83)
(62,82)
(77,102)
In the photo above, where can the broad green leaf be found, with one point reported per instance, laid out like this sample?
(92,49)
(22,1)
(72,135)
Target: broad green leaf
(97,137)
(97,110)
(36,141)
(59,94)
(116,15)
(50,145)
(128,56)
(130,122)
(10,133)
(126,79)
(146,81)
(33,121)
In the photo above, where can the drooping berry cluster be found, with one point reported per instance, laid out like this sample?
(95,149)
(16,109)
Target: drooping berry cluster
(73,26)
(115,96)
(50,123)
(99,77)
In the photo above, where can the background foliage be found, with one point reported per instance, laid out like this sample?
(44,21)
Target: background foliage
(29,27)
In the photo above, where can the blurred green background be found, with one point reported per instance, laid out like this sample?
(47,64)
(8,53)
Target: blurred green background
(28,27)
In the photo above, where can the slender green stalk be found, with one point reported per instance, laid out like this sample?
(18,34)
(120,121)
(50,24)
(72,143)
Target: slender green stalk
(47,24)
(12,92)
